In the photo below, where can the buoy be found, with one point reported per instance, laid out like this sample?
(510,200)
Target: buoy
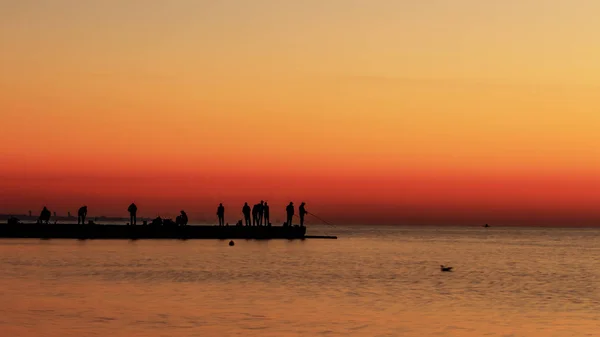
(231,243)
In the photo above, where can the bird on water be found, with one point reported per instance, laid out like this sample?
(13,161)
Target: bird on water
(231,243)
(442,268)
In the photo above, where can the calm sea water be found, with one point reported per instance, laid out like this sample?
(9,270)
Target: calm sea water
(373,281)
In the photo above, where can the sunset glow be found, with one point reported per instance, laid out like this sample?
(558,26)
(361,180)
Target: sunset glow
(375,112)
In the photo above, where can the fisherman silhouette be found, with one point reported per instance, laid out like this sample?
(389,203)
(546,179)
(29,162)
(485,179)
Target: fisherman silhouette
(81,214)
(132,213)
(221,214)
(266,213)
(302,212)
(290,213)
(246,212)
(44,216)
(183,218)
(255,215)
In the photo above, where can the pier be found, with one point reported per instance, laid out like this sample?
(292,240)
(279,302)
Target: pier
(115,232)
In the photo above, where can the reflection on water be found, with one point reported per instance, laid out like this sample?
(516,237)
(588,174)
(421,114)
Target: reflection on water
(373,281)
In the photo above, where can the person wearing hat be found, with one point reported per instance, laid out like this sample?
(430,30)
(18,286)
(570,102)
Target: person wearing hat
(290,213)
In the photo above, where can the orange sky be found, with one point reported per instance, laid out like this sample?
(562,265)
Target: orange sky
(461,112)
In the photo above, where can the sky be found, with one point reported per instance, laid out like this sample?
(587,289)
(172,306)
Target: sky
(372,112)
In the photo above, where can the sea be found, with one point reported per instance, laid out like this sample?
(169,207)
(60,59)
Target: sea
(371,281)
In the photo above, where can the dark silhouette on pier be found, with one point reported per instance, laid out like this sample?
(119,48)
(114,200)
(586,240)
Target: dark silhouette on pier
(132,209)
(246,212)
(255,215)
(261,208)
(181,220)
(266,214)
(44,216)
(221,214)
(290,213)
(81,215)
(303,212)
(159,228)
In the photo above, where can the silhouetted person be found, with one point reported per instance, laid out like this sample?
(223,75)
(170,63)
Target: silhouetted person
(302,212)
(255,215)
(246,212)
(290,213)
(81,214)
(221,214)
(44,216)
(132,214)
(259,212)
(266,213)
(184,218)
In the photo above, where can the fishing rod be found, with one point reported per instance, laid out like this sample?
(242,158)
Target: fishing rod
(318,218)
(330,224)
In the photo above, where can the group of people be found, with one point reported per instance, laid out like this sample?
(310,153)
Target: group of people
(290,213)
(259,213)
(45,215)
(180,220)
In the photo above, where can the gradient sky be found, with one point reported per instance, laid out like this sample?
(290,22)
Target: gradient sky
(374,111)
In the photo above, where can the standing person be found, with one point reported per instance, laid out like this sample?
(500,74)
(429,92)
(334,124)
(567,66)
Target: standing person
(266,213)
(290,213)
(81,214)
(221,214)
(246,212)
(132,214)
(261,208)
(302,212)
(255,215)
